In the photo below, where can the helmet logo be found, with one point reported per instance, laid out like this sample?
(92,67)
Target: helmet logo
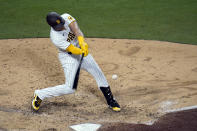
(58,21)
(70,18)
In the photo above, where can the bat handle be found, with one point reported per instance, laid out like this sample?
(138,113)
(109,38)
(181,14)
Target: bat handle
(82,56)
(77,74)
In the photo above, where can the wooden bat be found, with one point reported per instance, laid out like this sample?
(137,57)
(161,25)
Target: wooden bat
(77,74)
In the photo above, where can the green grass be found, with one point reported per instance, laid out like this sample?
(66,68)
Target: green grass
(165,20)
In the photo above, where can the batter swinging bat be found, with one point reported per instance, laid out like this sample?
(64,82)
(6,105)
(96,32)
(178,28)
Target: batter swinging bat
(77,74)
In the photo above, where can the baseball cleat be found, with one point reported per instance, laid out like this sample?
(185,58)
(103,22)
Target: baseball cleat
(113,104)
(36,103)
(116,109)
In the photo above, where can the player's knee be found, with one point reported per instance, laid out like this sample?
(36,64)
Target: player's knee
(69,89)
(72,90)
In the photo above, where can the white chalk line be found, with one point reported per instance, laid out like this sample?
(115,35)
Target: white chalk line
(181,109)
(171,111)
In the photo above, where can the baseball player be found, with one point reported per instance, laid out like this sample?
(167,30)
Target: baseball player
(66,35)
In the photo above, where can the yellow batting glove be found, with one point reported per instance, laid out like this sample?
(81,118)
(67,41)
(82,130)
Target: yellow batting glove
(80,40)
(74,50)
(83,45)
(85,51)
(86,45)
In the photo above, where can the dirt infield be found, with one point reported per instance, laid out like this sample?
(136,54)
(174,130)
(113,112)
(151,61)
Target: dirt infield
(153,77)
(177,121)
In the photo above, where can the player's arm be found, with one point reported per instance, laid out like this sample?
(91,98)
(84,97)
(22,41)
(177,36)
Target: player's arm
(62,44)
(76,30)
(74,50)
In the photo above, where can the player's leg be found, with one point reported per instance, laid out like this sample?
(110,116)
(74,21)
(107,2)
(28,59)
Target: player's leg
(69,65)
(90,65)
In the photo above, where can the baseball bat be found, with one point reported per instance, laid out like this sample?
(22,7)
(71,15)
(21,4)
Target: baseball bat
(77,74)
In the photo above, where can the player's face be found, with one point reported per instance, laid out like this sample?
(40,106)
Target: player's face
(61,29)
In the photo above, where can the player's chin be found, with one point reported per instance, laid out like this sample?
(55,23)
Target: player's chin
(59,29)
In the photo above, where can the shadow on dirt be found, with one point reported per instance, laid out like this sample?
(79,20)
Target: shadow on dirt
(178,121)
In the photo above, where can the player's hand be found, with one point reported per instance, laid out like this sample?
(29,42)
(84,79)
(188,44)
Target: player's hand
(82,43)
(85,51)
(74,50)
(84,46)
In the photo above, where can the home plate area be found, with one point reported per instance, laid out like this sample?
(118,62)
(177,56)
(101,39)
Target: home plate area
(183,119)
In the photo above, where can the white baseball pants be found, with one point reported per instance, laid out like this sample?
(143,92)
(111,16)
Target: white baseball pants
(70,65)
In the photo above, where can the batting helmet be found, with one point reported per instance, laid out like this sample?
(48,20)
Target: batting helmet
(55,21)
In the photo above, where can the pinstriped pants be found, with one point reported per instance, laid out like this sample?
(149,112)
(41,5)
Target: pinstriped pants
(70,65)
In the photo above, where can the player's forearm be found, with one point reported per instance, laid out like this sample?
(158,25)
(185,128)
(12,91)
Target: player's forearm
(74,50)
(75,29)
(79,33)
(80,37)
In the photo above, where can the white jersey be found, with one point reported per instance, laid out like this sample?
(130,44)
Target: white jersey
(70,62)
(62,39)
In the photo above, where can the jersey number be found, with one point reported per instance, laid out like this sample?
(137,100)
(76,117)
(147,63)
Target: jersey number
(71,36)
